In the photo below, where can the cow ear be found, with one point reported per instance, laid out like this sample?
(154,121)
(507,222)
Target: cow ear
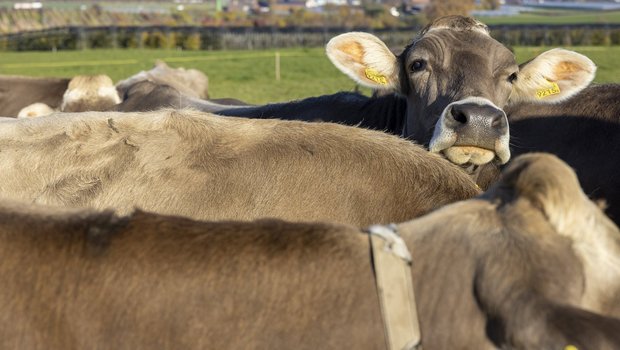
(365,59)
(160,63)
(551,186)
(553,76)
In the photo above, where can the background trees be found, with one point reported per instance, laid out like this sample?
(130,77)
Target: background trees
(439,8)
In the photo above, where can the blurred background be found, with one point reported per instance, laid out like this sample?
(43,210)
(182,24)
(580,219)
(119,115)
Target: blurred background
(272,50)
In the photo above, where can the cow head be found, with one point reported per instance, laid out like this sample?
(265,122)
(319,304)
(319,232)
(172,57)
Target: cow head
(551,186)
(457,80)
(90,93)
(189,82)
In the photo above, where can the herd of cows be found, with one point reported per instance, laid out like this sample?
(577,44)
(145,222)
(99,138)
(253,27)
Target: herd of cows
(143,214)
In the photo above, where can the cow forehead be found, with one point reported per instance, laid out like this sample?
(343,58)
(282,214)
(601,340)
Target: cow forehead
(452,47)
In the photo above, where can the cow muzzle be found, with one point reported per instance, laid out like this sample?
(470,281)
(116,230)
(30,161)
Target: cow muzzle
(472,131)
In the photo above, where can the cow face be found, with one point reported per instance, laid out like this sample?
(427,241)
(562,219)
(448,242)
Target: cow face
(457,79)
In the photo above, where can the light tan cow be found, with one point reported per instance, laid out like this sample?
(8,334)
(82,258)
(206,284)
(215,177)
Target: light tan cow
(209,167)
(84,93)
(531,264)
(34,110)
(90,93)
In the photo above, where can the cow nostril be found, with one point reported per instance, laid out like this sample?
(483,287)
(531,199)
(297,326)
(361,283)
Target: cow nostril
(459,115)
(498,121)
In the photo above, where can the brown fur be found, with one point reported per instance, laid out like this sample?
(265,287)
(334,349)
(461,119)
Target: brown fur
(17,92)
(208,167)
(149,96)
(582,131)
(189,82)
(489,272)
(508,261)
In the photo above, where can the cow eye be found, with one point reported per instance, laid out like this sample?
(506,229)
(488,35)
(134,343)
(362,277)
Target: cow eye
(512,78)
(418,65)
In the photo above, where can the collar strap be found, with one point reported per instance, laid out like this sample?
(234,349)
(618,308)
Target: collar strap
(392,265)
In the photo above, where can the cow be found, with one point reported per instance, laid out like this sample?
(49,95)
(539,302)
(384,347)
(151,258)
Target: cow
(583,131)
(190,82)
(531,264)
(207,167)
(20,92)
(581,126)
(145,96)
(90,93)
(34,110)
(17,92)
(453,82)
(84,93)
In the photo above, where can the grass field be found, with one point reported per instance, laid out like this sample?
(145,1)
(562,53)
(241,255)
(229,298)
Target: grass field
(246,75)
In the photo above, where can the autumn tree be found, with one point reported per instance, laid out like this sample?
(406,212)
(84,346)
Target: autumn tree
(440,8)
(490,4)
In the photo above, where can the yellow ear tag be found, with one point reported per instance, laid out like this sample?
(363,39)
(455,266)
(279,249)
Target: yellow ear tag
(553,89)
(375,76)
(570,347)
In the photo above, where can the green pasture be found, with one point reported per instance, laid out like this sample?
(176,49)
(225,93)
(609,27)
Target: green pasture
(246,75)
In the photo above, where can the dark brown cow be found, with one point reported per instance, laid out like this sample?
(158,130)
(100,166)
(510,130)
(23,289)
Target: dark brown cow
(532,264)
(208,167)
(17,92)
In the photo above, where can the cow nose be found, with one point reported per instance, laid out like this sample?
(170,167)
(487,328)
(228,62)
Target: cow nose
(477,116)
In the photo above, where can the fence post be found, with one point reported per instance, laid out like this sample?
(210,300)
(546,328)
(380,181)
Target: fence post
(82,40)
(114,37)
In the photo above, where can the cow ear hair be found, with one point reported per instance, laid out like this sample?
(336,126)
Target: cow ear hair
(160,63)
(364,58)
(553,76)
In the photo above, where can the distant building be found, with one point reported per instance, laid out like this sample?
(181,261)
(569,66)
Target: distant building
(27,5)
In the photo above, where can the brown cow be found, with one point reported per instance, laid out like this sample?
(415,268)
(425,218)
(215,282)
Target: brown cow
(84,93)
(208,167)
(532,264)
(452,83)
(190,82)
(147,96)
(456,80)
(17,92)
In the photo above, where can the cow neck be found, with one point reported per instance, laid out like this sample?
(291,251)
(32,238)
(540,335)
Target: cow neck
(391,262)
